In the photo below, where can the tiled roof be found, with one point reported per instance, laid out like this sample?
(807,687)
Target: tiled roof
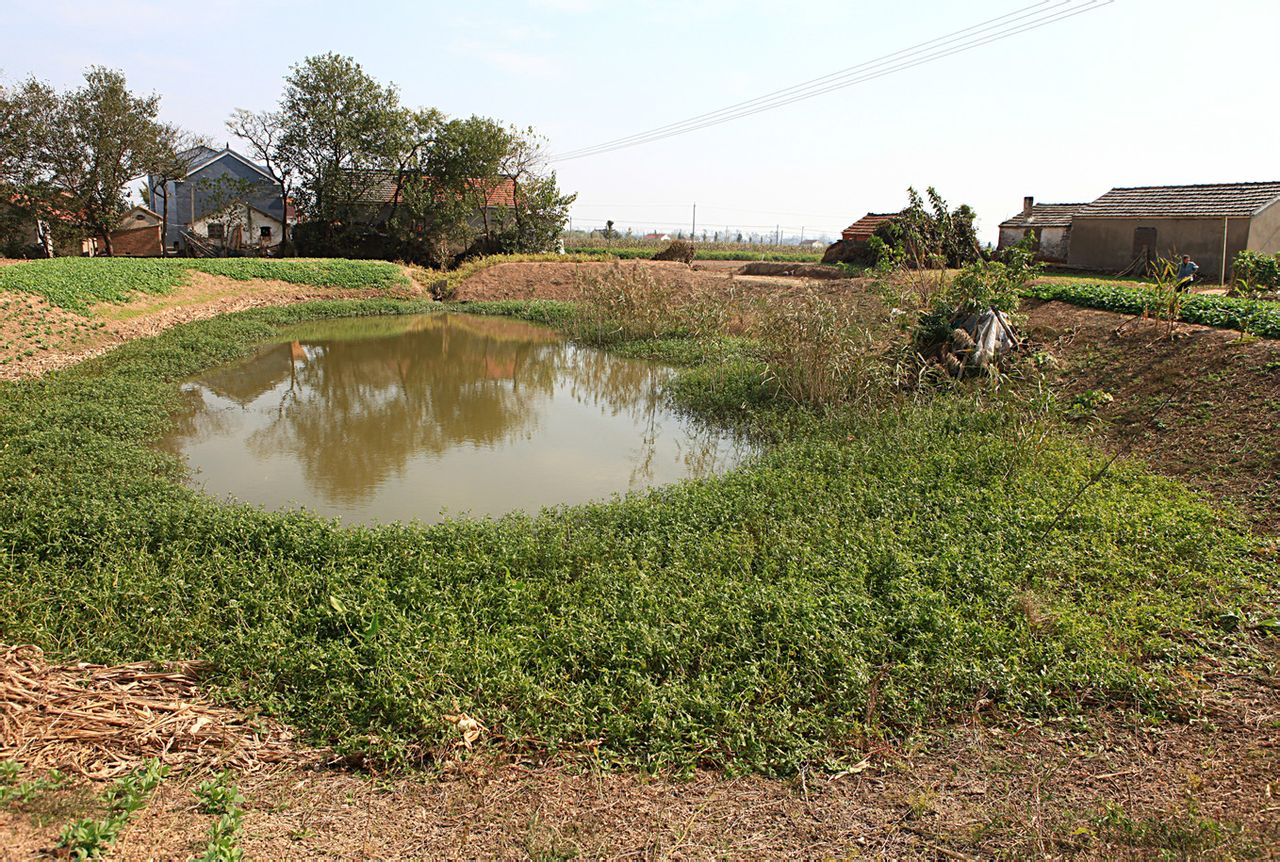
(382,189)
(1045,215)
(1205,201)
(864,227)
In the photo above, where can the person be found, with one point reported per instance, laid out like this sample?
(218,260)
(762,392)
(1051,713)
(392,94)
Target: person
(1187,272)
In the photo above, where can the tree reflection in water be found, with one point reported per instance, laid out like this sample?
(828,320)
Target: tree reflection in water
(393,418)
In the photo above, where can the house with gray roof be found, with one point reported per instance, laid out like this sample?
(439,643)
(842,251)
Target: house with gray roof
(1048,224)
(224,200)
(1128,227)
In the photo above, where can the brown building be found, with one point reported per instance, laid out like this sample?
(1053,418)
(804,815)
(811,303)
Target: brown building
(1049,223)
(1128,226)
(863,228)
(138,234)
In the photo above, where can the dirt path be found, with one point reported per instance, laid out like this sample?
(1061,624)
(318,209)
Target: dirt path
(561,280)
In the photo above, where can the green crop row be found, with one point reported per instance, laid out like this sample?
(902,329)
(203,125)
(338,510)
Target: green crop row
(1255,316)
(75,283)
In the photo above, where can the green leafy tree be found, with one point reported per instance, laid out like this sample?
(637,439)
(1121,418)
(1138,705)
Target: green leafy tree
(101,137)
(340,134)
(455,192)
(538,216)
(26,112)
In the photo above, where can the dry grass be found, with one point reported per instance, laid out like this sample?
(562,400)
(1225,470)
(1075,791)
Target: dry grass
(100,721)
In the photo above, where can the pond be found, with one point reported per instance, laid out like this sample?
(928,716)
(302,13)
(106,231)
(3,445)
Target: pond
(383,419)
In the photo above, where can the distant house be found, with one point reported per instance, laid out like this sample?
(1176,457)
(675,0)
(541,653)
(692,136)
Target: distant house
(24,235)
(378,197)
(1127,227)
(657,237)
(138,234)
(224,200)
(863,229)
(1050,224)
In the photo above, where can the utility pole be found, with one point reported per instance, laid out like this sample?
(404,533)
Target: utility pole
(694,230)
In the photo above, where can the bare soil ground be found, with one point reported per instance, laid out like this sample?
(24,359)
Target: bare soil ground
(1110,786)
(561,280)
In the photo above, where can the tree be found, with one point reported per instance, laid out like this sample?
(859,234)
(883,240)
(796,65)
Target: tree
(262,132)
(537,218)
(340,134)
(26,191)
(538,212)
(474,186)
(102,136)
(170,162)
(465,161)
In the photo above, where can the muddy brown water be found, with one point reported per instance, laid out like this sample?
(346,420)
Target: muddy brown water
(384,419)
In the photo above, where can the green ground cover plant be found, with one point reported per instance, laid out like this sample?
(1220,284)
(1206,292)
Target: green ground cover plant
(220,797)
(75,283)
(1255,316)
(16,792)
(870,572)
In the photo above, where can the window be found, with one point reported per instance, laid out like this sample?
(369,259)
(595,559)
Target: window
(216,230)
(139,217)
(265,231)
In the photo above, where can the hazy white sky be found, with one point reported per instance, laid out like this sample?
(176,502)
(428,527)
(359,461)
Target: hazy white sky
(1139,92)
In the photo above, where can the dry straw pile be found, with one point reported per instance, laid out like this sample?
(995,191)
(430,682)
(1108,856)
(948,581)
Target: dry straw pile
(101,721)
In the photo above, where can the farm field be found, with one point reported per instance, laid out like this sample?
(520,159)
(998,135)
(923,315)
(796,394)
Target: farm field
(933,622)
(646,252)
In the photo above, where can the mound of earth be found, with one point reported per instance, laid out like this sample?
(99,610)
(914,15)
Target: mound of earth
(1202,406)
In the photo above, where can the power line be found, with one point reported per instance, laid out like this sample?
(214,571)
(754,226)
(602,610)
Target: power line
(908,59)
(997,29)
(811,82)
(718,207)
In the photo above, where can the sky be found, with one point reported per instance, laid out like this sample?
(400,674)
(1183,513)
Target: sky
(1138,92)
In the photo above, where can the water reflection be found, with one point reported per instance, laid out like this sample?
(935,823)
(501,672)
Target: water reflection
(397,418)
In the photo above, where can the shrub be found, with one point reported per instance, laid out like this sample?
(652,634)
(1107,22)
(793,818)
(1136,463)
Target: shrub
(1253,268)
(818,352)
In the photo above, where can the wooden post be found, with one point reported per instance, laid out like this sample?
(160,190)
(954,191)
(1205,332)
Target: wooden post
(1222,282)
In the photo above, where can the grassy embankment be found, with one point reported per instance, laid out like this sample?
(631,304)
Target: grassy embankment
(75,283)
(883,565)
